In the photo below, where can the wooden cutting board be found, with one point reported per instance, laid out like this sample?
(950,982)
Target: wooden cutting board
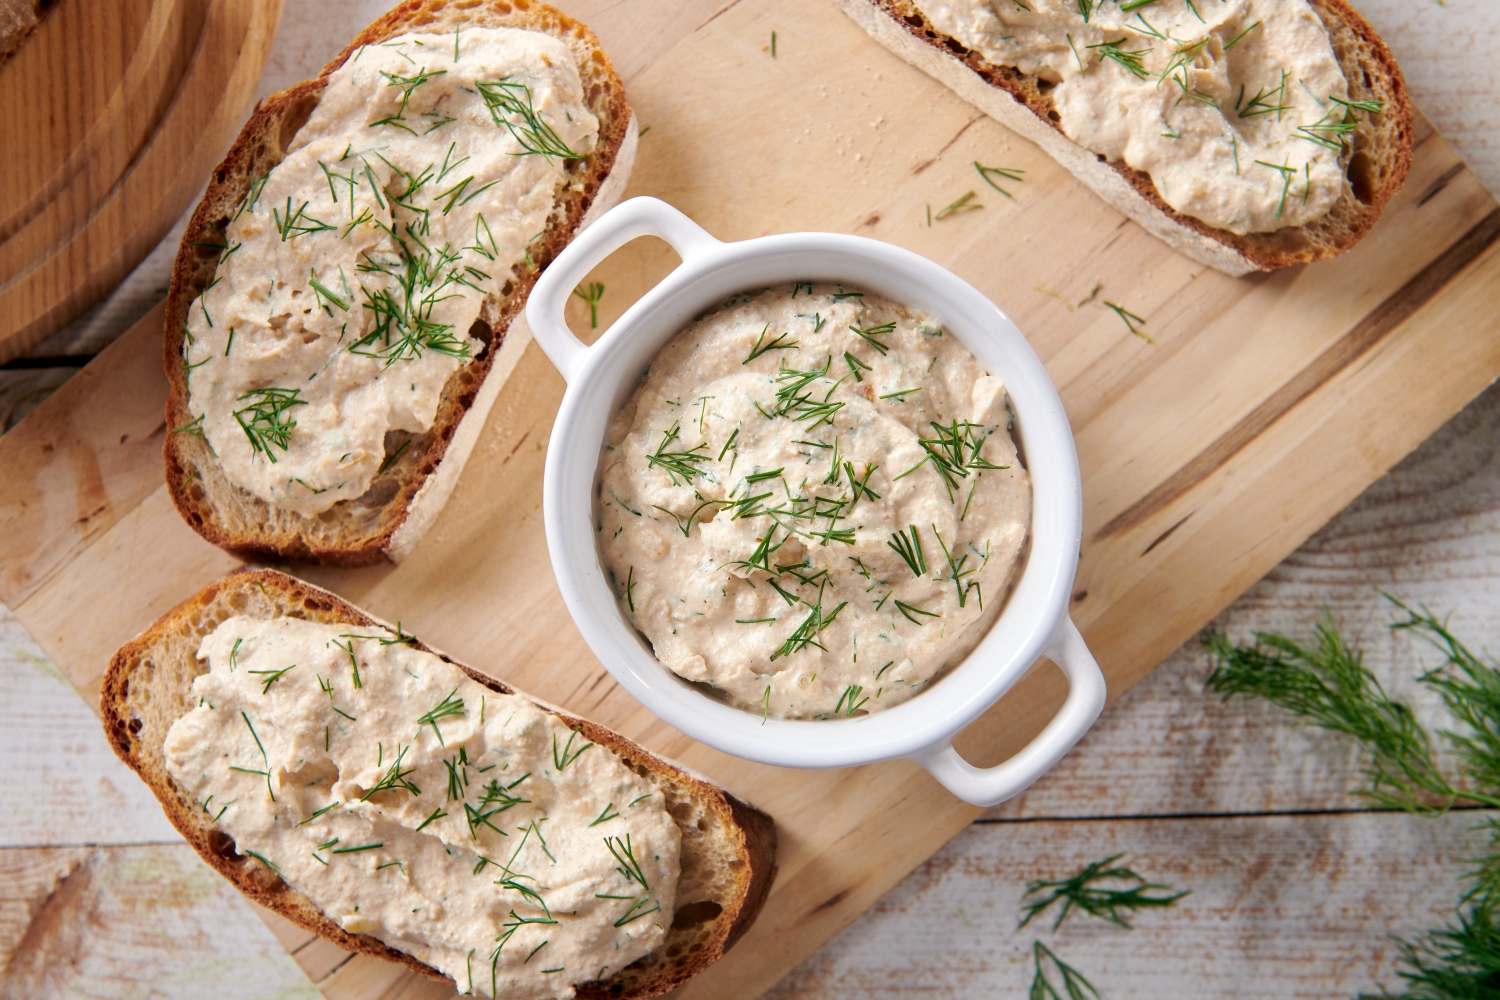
(114,114)
(1258,408)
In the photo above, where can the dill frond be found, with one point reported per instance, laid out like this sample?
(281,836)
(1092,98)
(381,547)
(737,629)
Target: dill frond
(1079,891)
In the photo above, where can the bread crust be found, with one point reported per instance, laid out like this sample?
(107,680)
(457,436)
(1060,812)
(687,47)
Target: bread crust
(729,846)
(1376,162)
(361,531)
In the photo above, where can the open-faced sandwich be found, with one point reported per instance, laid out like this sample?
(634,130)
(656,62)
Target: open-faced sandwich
(1247,134)
(343,774)
(340,302)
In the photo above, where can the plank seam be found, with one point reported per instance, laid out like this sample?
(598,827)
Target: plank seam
(1139,817)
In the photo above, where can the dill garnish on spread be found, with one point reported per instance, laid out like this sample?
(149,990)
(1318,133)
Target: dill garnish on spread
(812,502)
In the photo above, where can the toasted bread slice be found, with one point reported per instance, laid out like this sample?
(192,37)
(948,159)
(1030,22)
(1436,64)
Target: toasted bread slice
(390,517)
(728,847)
(1376,162)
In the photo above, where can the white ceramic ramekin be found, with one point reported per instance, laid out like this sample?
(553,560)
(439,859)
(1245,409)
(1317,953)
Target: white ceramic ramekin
(601,377)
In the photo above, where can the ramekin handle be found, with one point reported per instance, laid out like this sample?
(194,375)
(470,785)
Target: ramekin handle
(626,221)
(988,786)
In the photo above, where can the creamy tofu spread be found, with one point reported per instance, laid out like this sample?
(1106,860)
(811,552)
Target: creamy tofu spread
(467,828)
(353,272)
(1237,109)
(812,502)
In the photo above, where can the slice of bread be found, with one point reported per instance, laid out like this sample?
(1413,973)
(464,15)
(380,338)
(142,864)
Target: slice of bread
(1376,161)
(390,517)
(728,847)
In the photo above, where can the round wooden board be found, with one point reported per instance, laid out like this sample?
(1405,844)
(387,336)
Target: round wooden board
(123,108)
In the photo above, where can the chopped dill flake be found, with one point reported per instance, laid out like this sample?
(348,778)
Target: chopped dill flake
(963,203)
(447,708)
(778,343)
(988,175)
(1130,319)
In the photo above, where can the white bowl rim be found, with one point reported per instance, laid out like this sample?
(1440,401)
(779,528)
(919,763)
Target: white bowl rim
(598,376)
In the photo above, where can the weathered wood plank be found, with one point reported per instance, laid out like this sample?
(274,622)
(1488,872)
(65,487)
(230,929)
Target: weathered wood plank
(61,783)
(105,922)
(1280,907)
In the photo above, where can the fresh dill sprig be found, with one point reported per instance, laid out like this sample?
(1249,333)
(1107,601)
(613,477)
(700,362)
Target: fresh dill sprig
(297,223)
(793,403)
(1328,686)
(1073,982)
(954,452)
(684,464)
(404,325)
(1265,102)
(408,86)
(861,487)
(271,677)
(1079,891)
(447,708)
(850,702)
(265,421)
(193,427)
(436,815)
(567,755)
(606,815)
(356,850)
(510,105)
(909,549)
(869,334)
(1130,59)
(591,294)
(778,343)
(1288,174)
(390,459)
(907,610)
(394,778)
(628,865)
(806,632)
(988,175)
(1229,45)
(458,775)
(956,571)
(1130,320)
(322,292)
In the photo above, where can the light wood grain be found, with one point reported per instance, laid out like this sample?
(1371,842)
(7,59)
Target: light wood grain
(61,784)
(106,922)
(1266,406)
(1280,907)
(126,107)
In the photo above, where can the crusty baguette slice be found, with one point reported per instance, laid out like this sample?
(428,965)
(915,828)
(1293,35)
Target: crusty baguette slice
(728,847)
(1376,168)
(389,519)
(18,19)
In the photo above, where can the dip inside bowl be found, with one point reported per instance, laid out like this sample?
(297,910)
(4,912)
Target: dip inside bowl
(811,503)
(601,377)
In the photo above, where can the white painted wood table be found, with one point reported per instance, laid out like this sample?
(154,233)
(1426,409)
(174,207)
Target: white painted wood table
(1296,886)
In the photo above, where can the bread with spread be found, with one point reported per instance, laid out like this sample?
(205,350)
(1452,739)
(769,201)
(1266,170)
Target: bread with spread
(1247,134)
(341,299)
(203,698)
